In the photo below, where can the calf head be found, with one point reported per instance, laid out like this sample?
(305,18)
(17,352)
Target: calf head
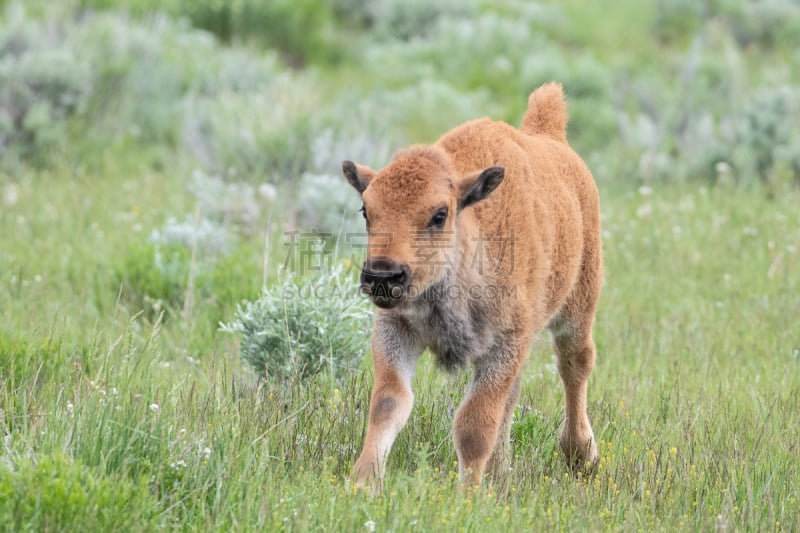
(412,210)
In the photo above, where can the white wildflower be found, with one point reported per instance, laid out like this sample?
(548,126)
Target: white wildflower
(644,211)
(267,191)
(10,194)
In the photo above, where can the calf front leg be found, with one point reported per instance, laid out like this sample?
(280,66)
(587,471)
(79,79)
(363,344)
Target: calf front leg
(389,409)
(485,412)
(500,460)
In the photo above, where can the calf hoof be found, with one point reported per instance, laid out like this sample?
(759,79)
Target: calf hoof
(366,478)
(580,453)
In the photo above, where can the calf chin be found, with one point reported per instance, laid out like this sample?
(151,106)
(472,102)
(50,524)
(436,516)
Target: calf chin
(386,297)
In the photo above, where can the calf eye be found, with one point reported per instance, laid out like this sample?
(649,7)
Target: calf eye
(363,211)
(439,219)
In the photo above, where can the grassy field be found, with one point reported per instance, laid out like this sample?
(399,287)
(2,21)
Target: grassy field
(110,420)
(122,405)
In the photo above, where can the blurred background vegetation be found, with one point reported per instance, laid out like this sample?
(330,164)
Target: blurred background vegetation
(193,125)
(272,91)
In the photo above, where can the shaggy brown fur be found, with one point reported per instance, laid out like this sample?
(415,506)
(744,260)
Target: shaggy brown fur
(476,243)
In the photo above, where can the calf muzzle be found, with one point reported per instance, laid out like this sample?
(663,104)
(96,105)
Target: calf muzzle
(386,282)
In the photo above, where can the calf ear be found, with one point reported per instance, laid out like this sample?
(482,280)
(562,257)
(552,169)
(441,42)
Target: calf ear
(358,176)
(479,185)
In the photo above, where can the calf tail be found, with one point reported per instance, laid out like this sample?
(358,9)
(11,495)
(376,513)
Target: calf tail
(547,112)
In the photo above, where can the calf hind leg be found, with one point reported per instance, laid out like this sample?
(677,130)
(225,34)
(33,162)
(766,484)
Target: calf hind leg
(575,348)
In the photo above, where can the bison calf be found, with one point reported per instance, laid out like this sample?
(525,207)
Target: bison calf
(475,244)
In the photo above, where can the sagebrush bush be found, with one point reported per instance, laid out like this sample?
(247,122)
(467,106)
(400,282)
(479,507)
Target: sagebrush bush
(323,204)
(425,109)
(678,20)
(122,78)
(144,70)
(482,50)
(474,62)
(358,136)
(259,136)
(409,19)
(235,206)
(304,326)
(763,136)
(156,80)
(764,23)
(707,122)
(320,201)
(302,30)
(42,84)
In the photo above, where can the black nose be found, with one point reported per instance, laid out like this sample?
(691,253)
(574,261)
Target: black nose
(397,276)
(386,281)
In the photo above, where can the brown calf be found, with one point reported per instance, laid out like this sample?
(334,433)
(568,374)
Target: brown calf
(475,244)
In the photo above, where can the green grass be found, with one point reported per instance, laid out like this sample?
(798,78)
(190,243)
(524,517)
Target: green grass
(693,399)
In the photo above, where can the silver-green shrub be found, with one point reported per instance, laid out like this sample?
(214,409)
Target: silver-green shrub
(763,138)
(764,23)
(42,83)
(408,19)
(304,326)
(154,79)
(263,134)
